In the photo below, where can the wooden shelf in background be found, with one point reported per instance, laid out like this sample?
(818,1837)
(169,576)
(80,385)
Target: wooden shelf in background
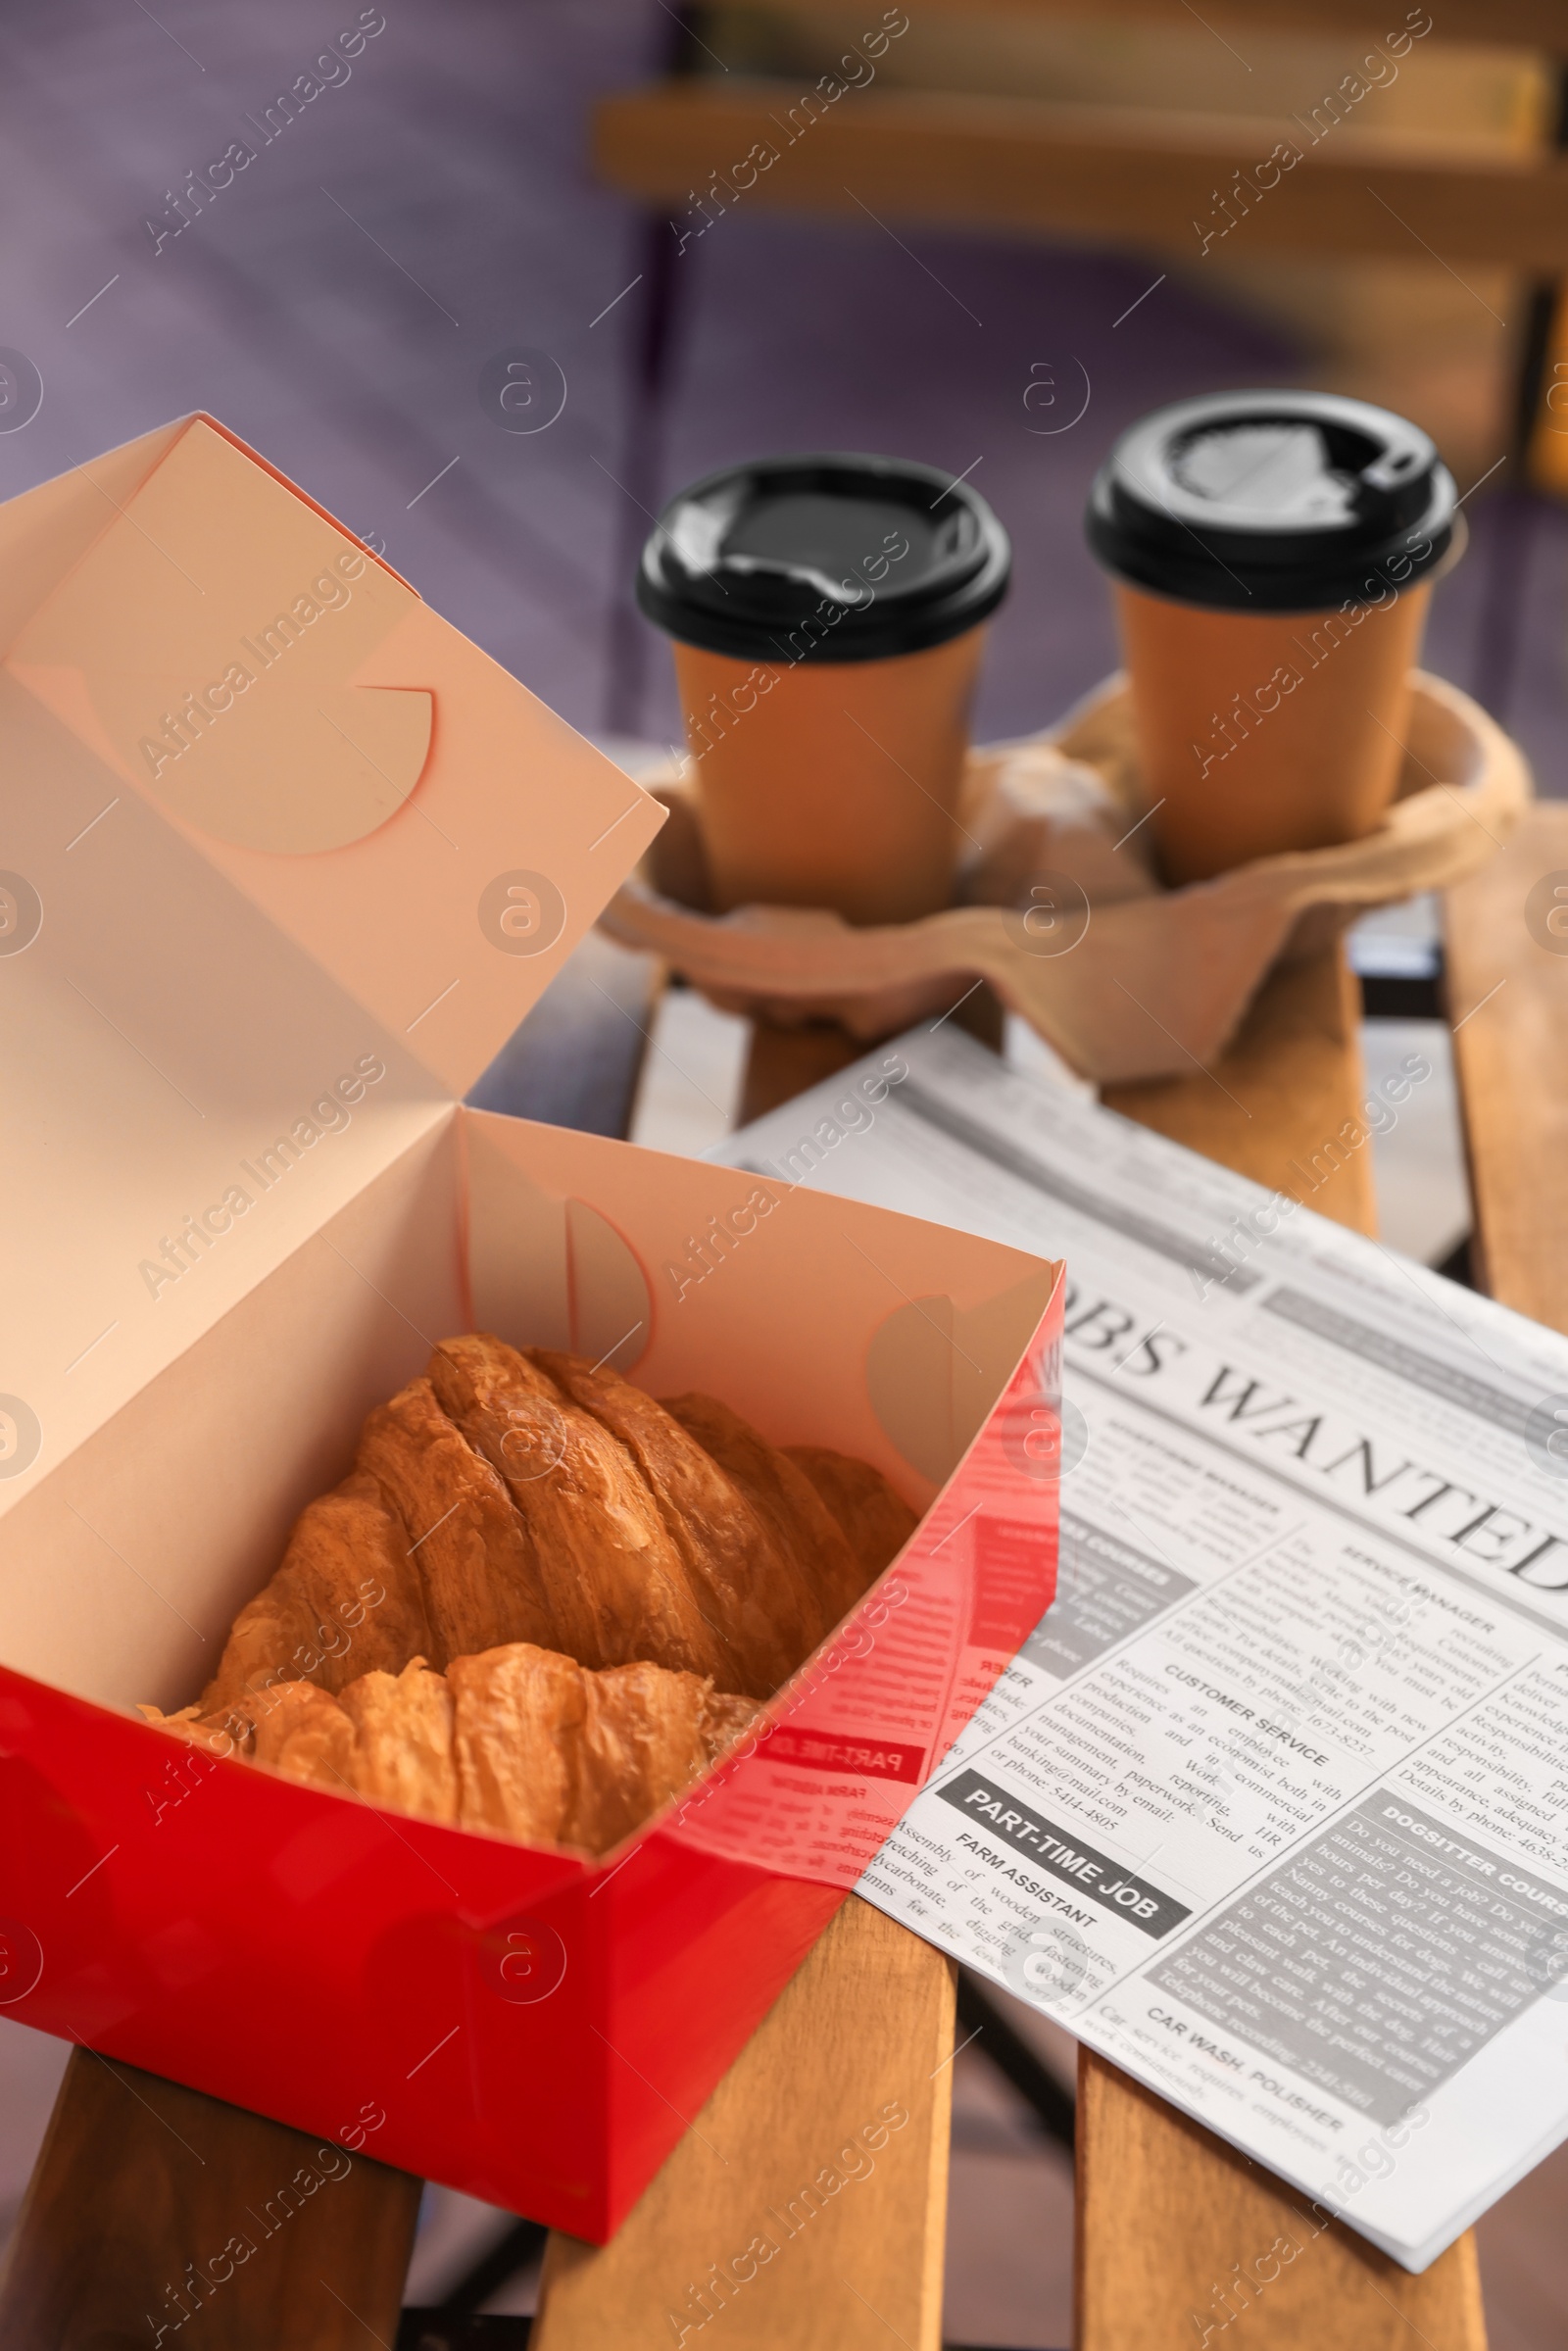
(1493,23)
(1121,175)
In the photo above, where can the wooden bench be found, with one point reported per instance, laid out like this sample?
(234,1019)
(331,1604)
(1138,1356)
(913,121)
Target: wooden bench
(1136,175)
(139,2176)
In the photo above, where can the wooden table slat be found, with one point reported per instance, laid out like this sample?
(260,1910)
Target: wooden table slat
(1283,1105)
(1177,2236)
(798,2204)
(154,2206)
(1169,2219)
(1508,998)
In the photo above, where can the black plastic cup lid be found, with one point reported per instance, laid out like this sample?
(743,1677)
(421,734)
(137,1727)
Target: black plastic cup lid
(824,558)
(1272,502)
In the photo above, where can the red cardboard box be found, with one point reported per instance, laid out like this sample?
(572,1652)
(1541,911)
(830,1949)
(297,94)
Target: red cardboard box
(287,861)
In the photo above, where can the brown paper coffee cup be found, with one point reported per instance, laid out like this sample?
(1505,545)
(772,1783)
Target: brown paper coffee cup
(833,784)
(1258,733)
(828,617)
(1273,554)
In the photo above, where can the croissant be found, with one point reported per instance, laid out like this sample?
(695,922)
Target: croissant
(877,1521)
(541,1604)
(519,1741)
(480,1573)
(786,1501)
(751,1589)
(347,1598)
(615,1587)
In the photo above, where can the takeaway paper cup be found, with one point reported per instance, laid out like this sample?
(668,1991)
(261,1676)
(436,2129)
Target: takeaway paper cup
(1273,556)
(827,613)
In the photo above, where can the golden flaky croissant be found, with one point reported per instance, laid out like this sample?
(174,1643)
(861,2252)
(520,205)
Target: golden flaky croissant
(518,1739)
(877,1521)
(541,1596)
(472,1558)
(609,1574)
(786,1501)
(348,1596)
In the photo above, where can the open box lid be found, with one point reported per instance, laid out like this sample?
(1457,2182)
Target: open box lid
(285,860)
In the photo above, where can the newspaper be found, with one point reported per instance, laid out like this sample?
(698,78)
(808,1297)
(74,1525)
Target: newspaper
(1272,1808)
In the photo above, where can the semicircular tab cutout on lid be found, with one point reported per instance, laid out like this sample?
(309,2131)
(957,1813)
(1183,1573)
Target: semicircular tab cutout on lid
(934,1370)
(551,1272)
(610,1305)
(210,645)
(312,767)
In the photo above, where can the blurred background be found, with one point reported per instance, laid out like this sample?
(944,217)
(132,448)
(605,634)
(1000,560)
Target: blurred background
(496,277)
(489,177)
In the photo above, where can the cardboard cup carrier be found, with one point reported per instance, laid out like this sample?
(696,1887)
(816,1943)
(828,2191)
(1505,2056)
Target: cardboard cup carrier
(287,859)
(1273,556)
(828,621)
